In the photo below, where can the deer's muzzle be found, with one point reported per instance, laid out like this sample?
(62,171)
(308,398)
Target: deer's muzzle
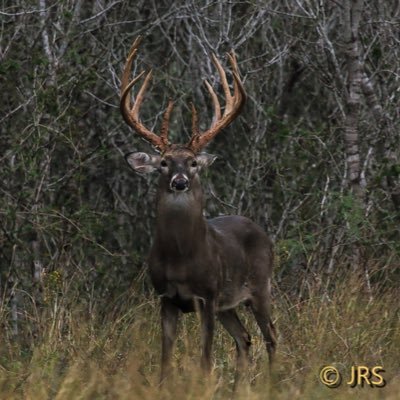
(179,183)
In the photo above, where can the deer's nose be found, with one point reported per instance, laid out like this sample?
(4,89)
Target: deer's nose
(179,182)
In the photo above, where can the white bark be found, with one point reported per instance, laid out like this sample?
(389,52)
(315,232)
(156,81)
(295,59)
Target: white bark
(352,15)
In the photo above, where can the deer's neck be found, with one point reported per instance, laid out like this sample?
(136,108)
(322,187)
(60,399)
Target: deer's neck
(181,227)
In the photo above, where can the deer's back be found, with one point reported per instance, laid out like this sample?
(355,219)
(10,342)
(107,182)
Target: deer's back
(243,234)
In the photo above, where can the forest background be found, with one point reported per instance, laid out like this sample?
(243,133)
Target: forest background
(313,158)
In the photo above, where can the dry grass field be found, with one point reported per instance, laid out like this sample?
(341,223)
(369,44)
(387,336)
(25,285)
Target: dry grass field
(80,351)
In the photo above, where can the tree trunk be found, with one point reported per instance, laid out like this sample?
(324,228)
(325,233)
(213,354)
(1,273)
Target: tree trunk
(352,16)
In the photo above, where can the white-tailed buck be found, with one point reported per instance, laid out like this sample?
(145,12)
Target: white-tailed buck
(210,266)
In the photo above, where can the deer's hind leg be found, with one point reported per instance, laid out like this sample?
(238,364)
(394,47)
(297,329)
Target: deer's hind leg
(232,324)
(260,305)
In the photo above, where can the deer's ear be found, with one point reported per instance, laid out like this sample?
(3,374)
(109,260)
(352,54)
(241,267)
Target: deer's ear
(205,160)
(143,163)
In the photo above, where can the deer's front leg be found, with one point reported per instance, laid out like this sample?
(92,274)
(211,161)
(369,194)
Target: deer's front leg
(207,333)
(169,323)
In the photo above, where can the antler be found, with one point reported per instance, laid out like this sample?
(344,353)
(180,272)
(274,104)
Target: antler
(234,104)
(131,113)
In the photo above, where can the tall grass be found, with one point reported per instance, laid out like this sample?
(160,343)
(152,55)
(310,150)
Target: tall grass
(71,349)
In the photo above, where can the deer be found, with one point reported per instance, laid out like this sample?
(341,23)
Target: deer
(209,266)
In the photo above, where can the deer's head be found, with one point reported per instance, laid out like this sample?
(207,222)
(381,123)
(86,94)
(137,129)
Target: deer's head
(179,164)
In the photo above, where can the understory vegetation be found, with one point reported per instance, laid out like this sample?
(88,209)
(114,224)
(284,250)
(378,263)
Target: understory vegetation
(88,350)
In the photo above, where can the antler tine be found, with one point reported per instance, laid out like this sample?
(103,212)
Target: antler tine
(195,121)
(235,71)
(165,123)
(217,107)
(128,64)
(224,82)
(233,104)
(140,96)
(131,114)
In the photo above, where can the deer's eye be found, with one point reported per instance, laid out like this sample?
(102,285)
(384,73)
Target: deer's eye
(194,163)
(163,163)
